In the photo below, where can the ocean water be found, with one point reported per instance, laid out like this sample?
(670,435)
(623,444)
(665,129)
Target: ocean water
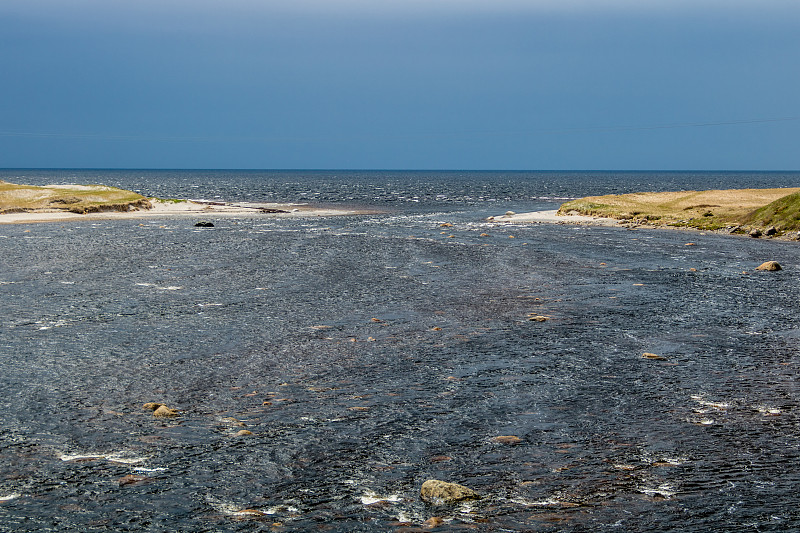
(369,353)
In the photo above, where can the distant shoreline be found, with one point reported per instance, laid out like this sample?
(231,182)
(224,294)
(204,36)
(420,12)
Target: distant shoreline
(754,212)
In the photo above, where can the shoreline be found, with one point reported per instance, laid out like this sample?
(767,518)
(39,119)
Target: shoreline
(185,209)
(553,217)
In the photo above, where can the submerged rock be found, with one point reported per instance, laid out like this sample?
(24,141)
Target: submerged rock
(439,492)
(538,318)
(770,266)
(204,224)
(152,406)
(433,522)
(507,439)
(131,479)
(648,355)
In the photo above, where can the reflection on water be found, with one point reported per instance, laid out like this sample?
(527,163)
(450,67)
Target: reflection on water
(324,369)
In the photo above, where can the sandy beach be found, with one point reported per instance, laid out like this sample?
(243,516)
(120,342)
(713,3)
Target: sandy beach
(187,208)
(552,217)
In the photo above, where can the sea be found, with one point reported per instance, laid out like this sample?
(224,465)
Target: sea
(323,368)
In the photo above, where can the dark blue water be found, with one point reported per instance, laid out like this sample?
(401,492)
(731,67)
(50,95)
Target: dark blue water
(267,325)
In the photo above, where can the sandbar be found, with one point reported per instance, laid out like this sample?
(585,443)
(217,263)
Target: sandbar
(185,208)
(553,217)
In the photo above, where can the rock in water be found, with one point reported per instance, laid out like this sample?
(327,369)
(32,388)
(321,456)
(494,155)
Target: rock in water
(433,522)
(507,439)
(131,479)
(204,224)
(439,492)
(165,412)
(769,265)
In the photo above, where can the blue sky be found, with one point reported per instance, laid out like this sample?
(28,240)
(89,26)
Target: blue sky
(401,84)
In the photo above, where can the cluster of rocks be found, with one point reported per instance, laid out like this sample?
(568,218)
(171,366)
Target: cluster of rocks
(160,410)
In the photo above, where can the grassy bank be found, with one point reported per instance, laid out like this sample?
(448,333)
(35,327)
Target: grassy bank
(706,210)
(16,198)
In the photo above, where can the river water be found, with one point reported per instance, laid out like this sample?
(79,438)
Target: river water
(367,354)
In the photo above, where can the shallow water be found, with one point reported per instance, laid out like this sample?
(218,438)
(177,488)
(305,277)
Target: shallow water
(267,325)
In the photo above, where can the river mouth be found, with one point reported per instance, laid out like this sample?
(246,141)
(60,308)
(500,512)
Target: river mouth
(368,354)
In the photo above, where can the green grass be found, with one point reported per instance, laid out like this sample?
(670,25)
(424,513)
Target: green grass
(783,213)
(704,210)
(73,198)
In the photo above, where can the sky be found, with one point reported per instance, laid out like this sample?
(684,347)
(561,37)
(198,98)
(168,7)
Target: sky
(401,84)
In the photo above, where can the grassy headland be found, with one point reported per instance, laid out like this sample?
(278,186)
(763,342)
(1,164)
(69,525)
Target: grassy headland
(705,210)
(82,199)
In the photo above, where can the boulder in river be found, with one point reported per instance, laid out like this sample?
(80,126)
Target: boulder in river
(204,224)
(770,266)
(165,412)
(439,492)
(131,479)
(538,318)
(507,439)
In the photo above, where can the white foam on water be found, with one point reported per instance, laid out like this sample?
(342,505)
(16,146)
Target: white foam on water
(125,458)
(122,457)
(540,503)
(9,497)
(665,490)
(369,497)
(80,457)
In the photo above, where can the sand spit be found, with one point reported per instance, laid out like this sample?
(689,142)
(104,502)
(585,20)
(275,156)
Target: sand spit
(183,208)
(552,217)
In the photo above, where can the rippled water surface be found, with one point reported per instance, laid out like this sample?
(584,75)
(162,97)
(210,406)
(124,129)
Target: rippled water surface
(368,354)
